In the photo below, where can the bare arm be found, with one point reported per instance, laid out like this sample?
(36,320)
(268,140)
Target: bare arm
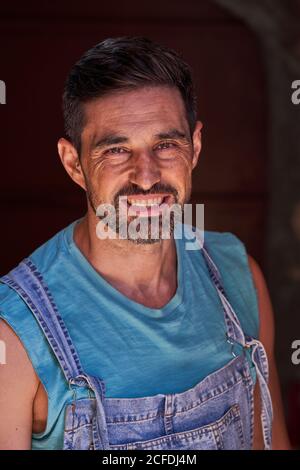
(18,386)
(280,439)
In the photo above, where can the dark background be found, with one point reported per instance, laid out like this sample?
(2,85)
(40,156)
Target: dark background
(244,59)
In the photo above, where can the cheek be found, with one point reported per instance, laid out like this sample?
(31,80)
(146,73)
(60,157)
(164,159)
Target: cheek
(107,183)
(100,173)
(179,170)
(97,168)
(181,167)
(110,173)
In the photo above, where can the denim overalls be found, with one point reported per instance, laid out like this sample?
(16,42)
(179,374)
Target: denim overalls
(217,413)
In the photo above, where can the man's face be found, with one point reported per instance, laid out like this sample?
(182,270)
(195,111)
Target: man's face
(138,144)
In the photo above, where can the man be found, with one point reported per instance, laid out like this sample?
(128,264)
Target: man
(140,320)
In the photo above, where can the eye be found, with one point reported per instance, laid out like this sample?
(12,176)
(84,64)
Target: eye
(165,145)
(115,151)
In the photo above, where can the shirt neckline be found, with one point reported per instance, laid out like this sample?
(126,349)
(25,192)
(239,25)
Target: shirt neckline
(96,277)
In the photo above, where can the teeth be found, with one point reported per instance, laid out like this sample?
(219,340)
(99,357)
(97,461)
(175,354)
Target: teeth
(146,202)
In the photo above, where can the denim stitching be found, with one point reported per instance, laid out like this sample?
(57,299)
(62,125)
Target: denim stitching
(231,415)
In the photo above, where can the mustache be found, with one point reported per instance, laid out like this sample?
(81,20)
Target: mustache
(132,190)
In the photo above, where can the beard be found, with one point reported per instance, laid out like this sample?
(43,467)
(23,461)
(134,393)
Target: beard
(140,230)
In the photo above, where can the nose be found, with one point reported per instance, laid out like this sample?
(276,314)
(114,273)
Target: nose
(145,170)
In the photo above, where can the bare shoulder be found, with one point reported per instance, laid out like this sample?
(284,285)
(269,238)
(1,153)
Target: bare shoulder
(280,439)
(266,314)
(18,386)
(17,363)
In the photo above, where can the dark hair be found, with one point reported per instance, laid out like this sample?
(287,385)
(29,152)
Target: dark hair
(118,64)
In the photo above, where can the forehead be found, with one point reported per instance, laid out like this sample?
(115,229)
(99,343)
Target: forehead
(145,110)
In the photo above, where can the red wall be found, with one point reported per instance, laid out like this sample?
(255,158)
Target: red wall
(40,41)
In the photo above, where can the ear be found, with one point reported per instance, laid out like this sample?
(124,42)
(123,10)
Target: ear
(197,143)
(70,160)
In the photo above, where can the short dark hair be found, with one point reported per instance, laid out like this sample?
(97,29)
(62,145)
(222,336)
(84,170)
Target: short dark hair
(118,64)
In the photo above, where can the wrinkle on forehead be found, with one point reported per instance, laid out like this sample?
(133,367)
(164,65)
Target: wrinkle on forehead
(132,111)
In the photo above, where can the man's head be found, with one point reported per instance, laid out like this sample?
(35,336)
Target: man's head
(130,118)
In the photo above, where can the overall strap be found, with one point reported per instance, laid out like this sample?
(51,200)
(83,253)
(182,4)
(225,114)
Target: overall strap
(258,353)
(28,283)
(233,326)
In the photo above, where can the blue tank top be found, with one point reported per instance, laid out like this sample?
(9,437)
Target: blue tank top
(136,350)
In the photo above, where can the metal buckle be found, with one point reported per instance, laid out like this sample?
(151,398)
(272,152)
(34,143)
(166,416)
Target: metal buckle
(231,342)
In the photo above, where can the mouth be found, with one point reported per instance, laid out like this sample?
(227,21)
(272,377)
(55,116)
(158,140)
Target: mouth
(149,205)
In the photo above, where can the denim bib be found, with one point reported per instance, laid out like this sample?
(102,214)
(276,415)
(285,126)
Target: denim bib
(217,413)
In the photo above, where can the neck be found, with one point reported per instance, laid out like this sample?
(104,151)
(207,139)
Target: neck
(145,273)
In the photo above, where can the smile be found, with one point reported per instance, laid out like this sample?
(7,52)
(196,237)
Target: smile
(148,200)
(145,202)
(147,205)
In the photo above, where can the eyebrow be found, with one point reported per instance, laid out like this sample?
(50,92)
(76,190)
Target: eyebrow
(113,139)
(172,134)
(110,139)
